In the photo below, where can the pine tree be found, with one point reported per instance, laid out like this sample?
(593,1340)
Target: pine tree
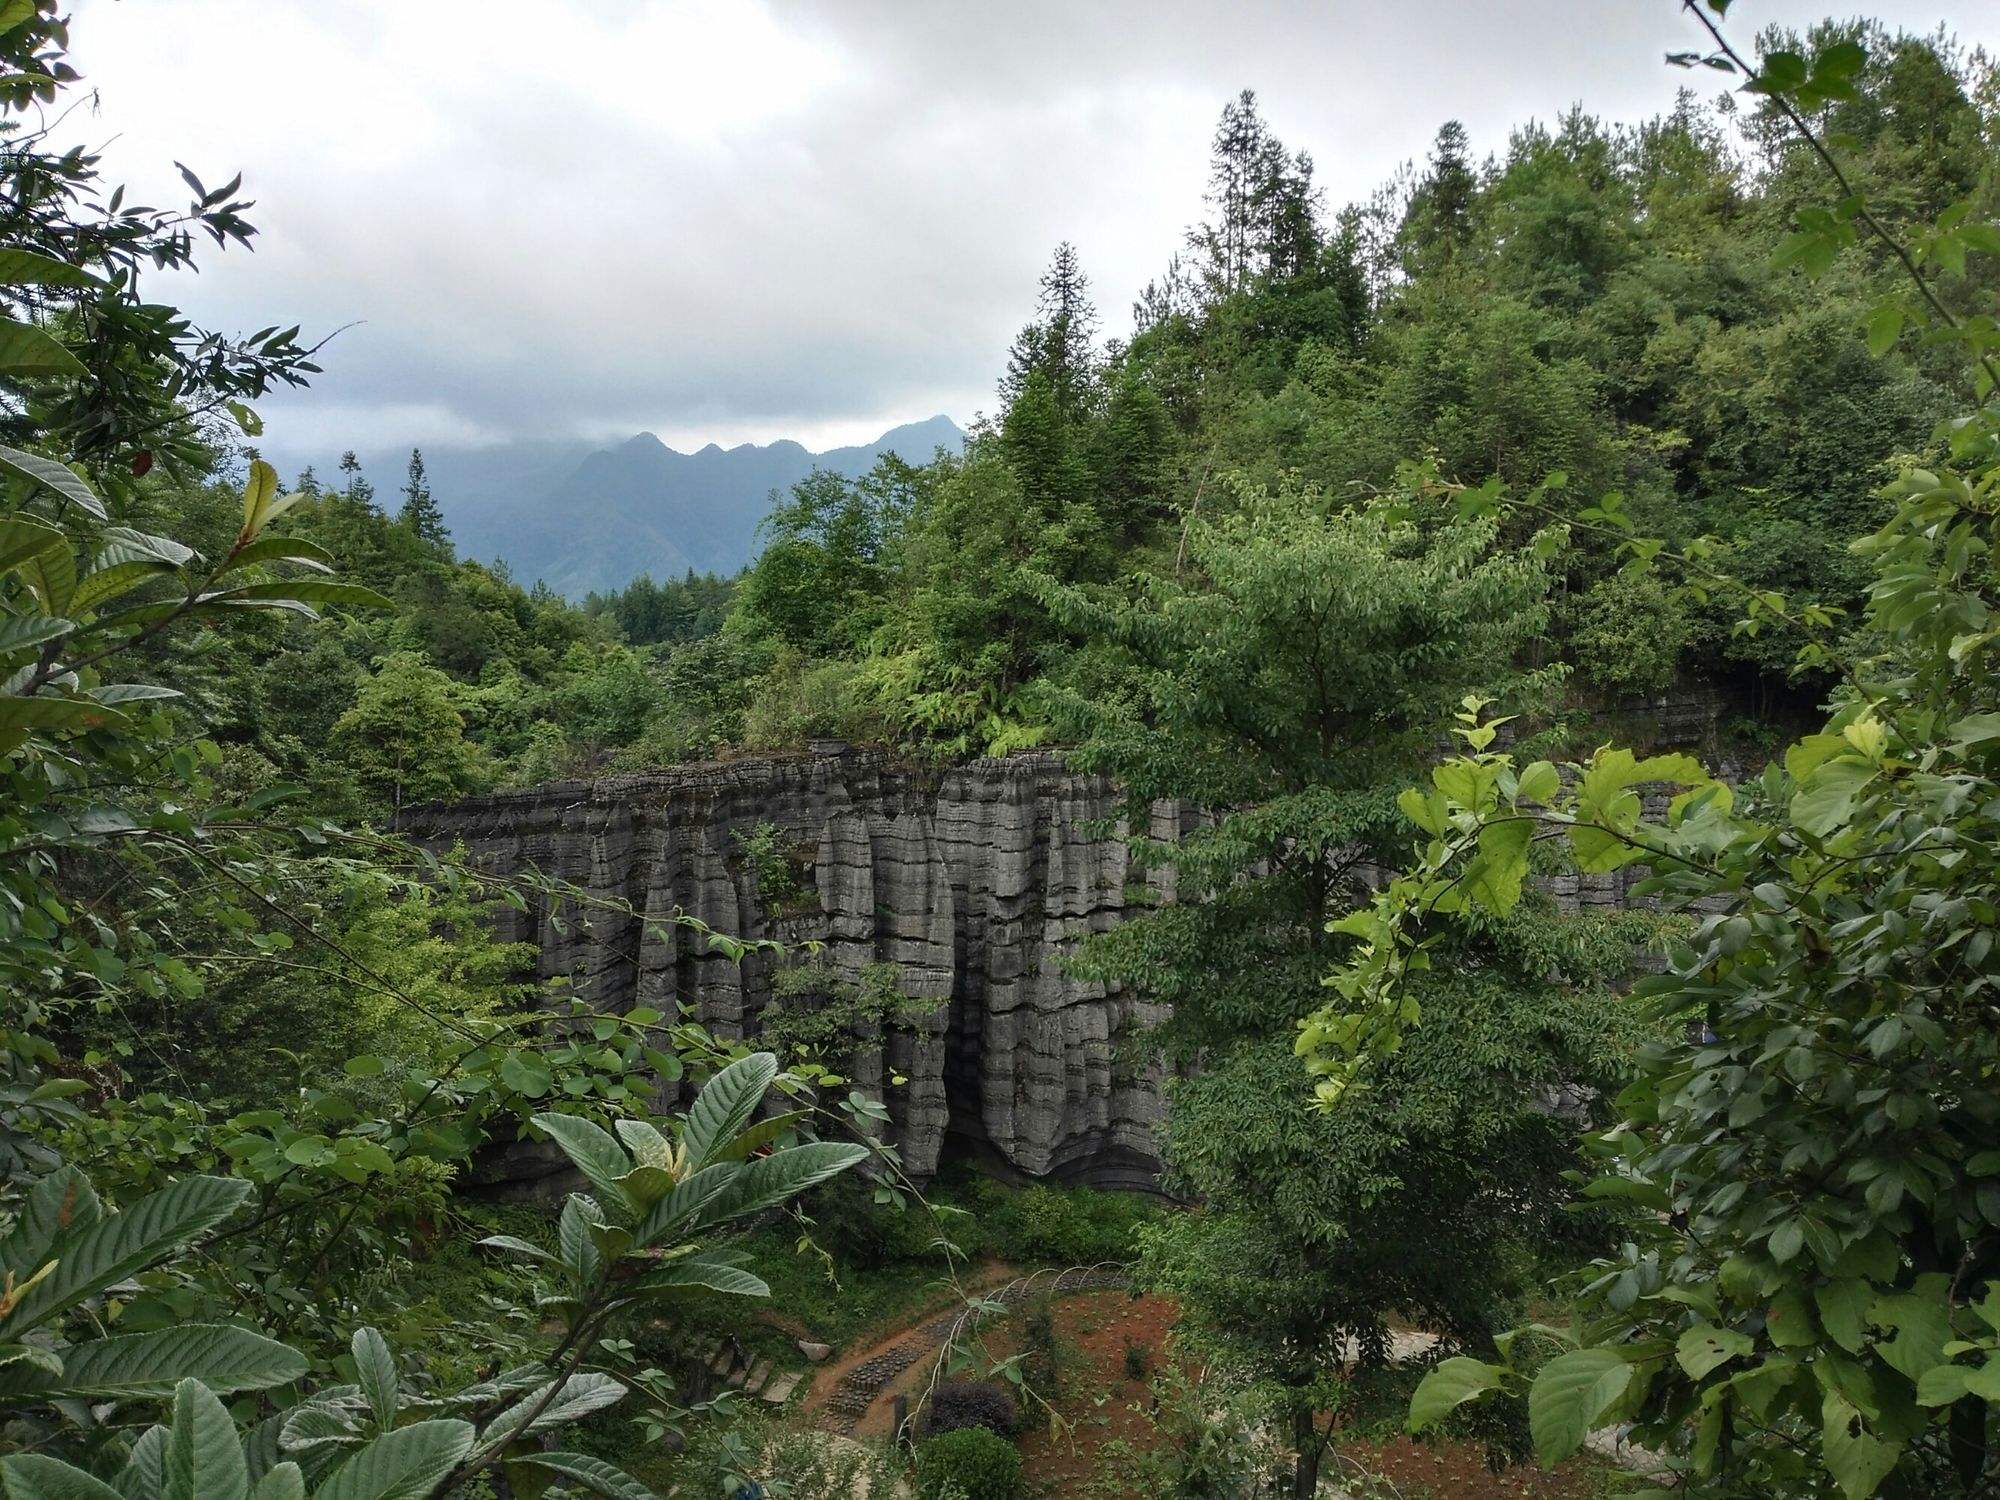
(307,483)
(1061,342)
(1438,226)
(354,487)
(1239,164)
(420,512)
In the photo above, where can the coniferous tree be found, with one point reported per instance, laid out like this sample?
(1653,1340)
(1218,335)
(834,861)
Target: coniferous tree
(420,512)
(1240,169)
(1438,226)
(355,486)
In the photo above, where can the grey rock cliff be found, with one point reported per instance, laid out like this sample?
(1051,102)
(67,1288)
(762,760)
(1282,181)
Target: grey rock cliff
(971,882)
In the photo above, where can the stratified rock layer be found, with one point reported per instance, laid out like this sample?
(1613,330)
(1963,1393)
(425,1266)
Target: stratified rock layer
(971,882)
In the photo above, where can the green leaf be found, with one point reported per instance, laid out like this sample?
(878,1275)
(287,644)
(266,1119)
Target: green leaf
(26,350)
(593,1474)
(714,1276)
(579,1397)
(725,1104)
(579,1250)
(1538,783)
(596,1155)
(778,1178)
(1858,1460)
(32,1476)
(1704,1347)
(19,632)
(26,268)
(1826,799)
(1570,1393)
(281,1482)
(375,1372)
(296,593)
(1448,1387)
(260,493)
(62,1203)
(765,1132)
(270,549)
(1885,325)
(1494,879)
(1843,1311)
(23,540)
(1922,1322)
(53,476)
(407,1464)
(113,1248)
(204,1458)
(224,1359)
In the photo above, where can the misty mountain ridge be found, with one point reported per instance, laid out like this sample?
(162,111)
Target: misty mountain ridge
(581,519)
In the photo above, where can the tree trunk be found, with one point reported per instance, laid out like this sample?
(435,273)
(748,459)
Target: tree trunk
(1305,1436)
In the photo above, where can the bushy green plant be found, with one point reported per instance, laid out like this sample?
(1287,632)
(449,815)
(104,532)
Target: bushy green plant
(972,1463)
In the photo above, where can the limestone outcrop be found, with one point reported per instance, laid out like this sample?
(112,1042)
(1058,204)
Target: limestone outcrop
(969,883)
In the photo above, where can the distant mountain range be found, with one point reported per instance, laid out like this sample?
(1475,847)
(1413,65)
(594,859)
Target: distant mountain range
(581,520)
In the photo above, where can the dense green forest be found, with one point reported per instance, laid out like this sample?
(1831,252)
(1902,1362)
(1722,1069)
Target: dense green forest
(1545,429)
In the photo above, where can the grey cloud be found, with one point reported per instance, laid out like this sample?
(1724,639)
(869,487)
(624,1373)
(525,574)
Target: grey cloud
(751,220)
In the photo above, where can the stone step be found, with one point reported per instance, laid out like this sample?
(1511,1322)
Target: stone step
(759,1373)
(779,1391)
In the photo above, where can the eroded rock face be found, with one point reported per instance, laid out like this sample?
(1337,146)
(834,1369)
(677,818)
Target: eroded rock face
(970,882)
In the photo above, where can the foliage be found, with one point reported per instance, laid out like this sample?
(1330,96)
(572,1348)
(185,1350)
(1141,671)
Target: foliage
(969,1403)
(970,1463)
(1290,680)
(1806,1302)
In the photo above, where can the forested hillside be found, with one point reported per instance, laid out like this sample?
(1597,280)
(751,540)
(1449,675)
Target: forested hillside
(1328,567)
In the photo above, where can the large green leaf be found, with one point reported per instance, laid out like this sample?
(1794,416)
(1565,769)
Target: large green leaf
(579,1250)
(61,1203)
(375,1369)
(780,1177)
(26,268)
(31,1476)
(579,1397)
(22,539)
(297,591)
(117,1245)
(20,632)
(54,711)
(1571,1392)
(144,1474)
(281,1482)
(1448,1387)
(407,1464)
(596,1155)
(1858,1460)
(27,350)
(593,1474)
(725,1105)
(52,475)
(103,584)
(710,1275)
(204,1458)
(292,549)
(223,1358)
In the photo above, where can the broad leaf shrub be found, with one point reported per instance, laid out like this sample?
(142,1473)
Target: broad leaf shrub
(969,1464)
(1806,1302)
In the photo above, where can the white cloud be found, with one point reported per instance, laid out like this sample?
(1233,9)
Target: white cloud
(750,218)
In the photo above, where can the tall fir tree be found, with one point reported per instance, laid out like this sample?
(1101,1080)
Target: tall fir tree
(420,512)
(354,484)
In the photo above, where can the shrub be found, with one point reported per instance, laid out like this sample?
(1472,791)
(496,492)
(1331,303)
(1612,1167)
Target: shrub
(959,1404)
(1042,1225)
(1138,1359)
(970,1464)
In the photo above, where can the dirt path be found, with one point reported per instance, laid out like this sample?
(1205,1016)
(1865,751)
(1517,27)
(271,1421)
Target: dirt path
(845,1391)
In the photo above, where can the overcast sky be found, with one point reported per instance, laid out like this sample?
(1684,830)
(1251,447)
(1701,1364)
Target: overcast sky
(737,220)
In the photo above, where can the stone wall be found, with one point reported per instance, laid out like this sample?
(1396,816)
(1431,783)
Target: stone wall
(971,881)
